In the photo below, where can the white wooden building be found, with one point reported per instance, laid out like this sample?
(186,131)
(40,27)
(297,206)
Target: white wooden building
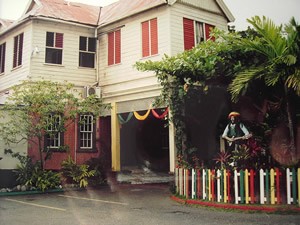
(96,47)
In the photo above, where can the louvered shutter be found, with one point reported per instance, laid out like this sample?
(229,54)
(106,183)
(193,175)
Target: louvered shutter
(188,33)
(208,28)
(117,46)
(111,48)
(154,36)
(20,53)
(2,57)
(145,39)
(15,57)
(59,40)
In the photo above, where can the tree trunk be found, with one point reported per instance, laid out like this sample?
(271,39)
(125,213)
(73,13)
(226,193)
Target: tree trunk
(290,123)
(41,153)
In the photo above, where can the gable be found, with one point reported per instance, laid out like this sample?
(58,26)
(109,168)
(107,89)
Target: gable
(5,23)
(215,6)
(126,8)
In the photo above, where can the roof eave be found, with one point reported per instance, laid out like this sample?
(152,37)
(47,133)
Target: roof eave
(228,14)
(130,15)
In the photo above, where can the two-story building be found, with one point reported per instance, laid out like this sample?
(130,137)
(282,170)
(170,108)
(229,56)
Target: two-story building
(95,48)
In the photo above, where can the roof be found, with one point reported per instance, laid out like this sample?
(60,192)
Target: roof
(63,10)
(4,23)
(126,8)
(94,15)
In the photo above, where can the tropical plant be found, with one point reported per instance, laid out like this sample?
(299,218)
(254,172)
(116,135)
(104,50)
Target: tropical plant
(77,173)
(31,175)
(279,68)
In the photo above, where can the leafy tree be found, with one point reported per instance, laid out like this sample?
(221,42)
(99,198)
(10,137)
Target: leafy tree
(279,67)
(28,108)
(259,60)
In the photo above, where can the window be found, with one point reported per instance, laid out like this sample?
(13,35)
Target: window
(54,48)
(2,57)
(195,32)
(86,132)
(18,50)
(54,136)
(87,50)
(149,38)
(114,47)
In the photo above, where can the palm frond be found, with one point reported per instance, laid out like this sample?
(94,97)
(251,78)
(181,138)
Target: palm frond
(271,40)
(293,81)
(240,83)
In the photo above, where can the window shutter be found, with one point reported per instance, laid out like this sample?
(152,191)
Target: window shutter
(117,46)
(2,57)
(20,49)
(154,37)
(111,48)
(188,32)
(59,40)
(145,39)
(15,51)
(208,28)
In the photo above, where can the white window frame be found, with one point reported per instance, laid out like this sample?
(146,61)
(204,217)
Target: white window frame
(54,142)
(86,132)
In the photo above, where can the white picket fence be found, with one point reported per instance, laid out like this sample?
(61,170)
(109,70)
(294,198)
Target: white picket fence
(273,186)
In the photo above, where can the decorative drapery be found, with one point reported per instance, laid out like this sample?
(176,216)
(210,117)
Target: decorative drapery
(142,117)
(122,121)
(154,113)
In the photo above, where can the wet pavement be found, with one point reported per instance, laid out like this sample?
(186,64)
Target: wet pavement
(123,204)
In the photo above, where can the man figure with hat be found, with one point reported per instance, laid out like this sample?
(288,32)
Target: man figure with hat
(235,131)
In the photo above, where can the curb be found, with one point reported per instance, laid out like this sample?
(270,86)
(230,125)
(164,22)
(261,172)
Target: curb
(249,208)
(16,193)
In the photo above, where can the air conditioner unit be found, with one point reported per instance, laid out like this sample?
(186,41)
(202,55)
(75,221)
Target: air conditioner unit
(92,91)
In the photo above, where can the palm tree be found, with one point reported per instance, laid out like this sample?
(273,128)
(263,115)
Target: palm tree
(280,49)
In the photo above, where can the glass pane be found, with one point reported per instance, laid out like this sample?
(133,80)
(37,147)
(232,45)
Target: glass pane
(82,43)
(92,45)
(50,39)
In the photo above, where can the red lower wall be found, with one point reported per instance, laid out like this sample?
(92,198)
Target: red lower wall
(70,140)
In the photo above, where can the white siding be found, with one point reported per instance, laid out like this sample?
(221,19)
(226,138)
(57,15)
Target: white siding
(8,162)
(122,82)
(69,70)
(178,11)
(13,76)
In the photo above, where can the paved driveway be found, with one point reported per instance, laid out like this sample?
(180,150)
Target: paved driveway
(124,205)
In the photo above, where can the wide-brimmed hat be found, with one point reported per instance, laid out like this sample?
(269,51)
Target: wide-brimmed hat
(234,114)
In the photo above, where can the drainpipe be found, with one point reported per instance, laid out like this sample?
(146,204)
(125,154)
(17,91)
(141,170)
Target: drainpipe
(97,46)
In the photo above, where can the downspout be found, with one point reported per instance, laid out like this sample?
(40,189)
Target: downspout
(97,46)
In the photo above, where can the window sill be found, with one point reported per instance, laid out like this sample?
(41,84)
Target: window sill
(15,68)
(53,64)
(87,151)
(57,150)
(149,56)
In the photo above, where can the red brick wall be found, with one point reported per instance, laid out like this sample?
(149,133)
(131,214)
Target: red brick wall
(71,140)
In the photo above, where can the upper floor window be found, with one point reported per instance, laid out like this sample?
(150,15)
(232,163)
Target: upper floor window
(2,57)
(87,133)
(54,47)
(149,37)
(18,50)
(87,50)
(195,32)
(114,47)
(54,135)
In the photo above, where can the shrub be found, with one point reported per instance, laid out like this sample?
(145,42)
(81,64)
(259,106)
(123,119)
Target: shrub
(32,175)
(77,173)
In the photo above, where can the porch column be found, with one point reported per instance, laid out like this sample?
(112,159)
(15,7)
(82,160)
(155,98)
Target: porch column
(115,139)
(172,146)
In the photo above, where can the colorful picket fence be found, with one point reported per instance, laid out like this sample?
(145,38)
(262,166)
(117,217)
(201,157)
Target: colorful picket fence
(269,186)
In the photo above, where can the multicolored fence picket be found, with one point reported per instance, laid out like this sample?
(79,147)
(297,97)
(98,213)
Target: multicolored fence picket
(269,186)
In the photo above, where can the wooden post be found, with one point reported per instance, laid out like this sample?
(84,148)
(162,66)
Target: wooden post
(115,139)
